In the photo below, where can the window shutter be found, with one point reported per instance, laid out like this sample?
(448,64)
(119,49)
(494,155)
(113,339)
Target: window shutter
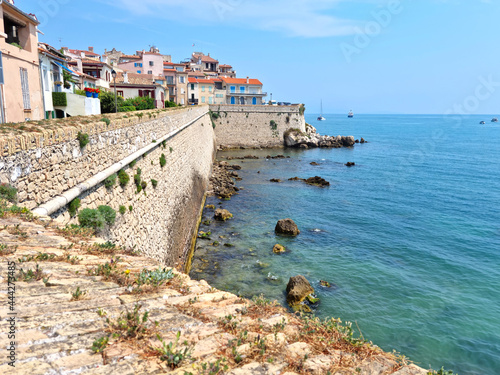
(25,88)
(153,94)
(140,93)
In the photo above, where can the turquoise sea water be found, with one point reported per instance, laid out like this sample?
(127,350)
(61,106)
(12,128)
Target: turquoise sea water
(410,236)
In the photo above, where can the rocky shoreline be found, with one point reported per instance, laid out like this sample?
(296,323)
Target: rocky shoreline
(294,138)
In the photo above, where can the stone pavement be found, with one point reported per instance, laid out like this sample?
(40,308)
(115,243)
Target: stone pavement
(55,328)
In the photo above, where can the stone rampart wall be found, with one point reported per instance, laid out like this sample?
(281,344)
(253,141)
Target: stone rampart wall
(254,126)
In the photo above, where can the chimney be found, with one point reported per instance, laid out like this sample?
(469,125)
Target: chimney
(248,80)
(125,77)
(91,49)
(209,54)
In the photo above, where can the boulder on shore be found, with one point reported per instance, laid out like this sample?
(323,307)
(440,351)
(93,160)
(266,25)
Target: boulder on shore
(287,227)
(222,215)
(278,249)
(297,290)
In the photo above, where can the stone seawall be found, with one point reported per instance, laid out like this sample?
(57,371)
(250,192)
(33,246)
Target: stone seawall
(254,126)
(159,221)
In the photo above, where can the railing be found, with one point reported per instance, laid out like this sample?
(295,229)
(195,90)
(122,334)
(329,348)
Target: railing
(246,94)
(193,101)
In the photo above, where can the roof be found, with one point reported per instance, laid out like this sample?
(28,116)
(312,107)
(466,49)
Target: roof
(241,81)
(31,17)
(87,53)
(200,80)
(205,58)
(225,66)
(130,57)
(42,48)
(170,70)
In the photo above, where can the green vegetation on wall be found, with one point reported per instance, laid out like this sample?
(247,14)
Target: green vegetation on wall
(8,192)
(59,99)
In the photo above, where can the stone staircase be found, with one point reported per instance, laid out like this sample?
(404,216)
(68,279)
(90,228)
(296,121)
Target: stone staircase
(224,334)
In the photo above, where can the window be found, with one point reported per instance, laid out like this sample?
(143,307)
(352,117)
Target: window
(210,100)
(179,69)
(26,89)
(233,89)
(139,71)
(135,65)
(182,101)
(192,86)
(209,88)
(254,101)
(242,89)
(119,93)
(182,79)
(151,63)
(202,88)
(182,90)
(203,99)
(150,72)
(233,100)
(140,64)
(11,28)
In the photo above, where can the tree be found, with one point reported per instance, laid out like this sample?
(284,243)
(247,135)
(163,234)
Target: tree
(108,101)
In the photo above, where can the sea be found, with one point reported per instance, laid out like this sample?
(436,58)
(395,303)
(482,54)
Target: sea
(408,238)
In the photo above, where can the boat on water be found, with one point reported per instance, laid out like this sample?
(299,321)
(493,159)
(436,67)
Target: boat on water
(494,119)
(321,118)
(350,114)
(482,122)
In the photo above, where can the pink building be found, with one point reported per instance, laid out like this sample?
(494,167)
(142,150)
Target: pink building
(20,91)
(145,63)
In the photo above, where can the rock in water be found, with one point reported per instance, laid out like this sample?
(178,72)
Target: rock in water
(275,180)
(287,227)
(278,249)
(297,290)
(317,181)
(222,215)
(350,164)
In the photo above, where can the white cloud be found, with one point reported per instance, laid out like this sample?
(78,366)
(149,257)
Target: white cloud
(304,18)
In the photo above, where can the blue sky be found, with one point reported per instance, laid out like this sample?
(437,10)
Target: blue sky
(372,56)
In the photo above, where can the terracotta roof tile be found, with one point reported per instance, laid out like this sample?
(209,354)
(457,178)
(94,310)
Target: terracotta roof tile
(241,81)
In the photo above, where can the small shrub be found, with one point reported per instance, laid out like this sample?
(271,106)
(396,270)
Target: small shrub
(154,278)
(8,192)
(144,184)
(110,181)
(91,218)
(154,183)
(83,138)
(137,179)
(302,109)
(132,323)
(106,120)
(73,207)
(31,275)
(122,210)
(273,125)
(126,108)
(78,294)
(171,149)
(108,214)
(59,99)
(130,208)
(123,177)
(170,354)
(163,160)
(100,344)
(132,163)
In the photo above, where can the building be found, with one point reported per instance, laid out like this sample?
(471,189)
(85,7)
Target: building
(143,62)
(201,91)
(101,71)
(244,91)
(132,85)
(176,77)
(20,88)
(82,54)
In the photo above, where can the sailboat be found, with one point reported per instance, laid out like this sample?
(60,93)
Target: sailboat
(321,118)
(350,114)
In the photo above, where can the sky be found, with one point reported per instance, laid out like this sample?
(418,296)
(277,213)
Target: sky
(371,56)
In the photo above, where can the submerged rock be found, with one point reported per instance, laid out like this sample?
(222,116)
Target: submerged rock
(297,290)
(275,180)
(287,227)
(278,249)
(350,164)
(222,215)
(324,283)
(314,163)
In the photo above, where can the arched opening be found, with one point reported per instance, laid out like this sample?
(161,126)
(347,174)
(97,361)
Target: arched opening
(233,100)
(254,101)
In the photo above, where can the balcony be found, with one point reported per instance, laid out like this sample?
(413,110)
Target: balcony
(193,101)
(246,94)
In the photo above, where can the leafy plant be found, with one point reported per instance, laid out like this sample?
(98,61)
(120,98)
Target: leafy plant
(73,207)
(110,181)
(132,164)
(302,109)
(59,99)
(106,120)
(171,354)
(154,278)
(132,323)
(130,208)
(107,213)
(154,183)
(123,177)
(273,125)
(163,160)
(83,138)
(140,103)
(8,192)
(78,294)
(144,184)
(122,210)
(31,275)
(100,344)
(91,218)
(107,100)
